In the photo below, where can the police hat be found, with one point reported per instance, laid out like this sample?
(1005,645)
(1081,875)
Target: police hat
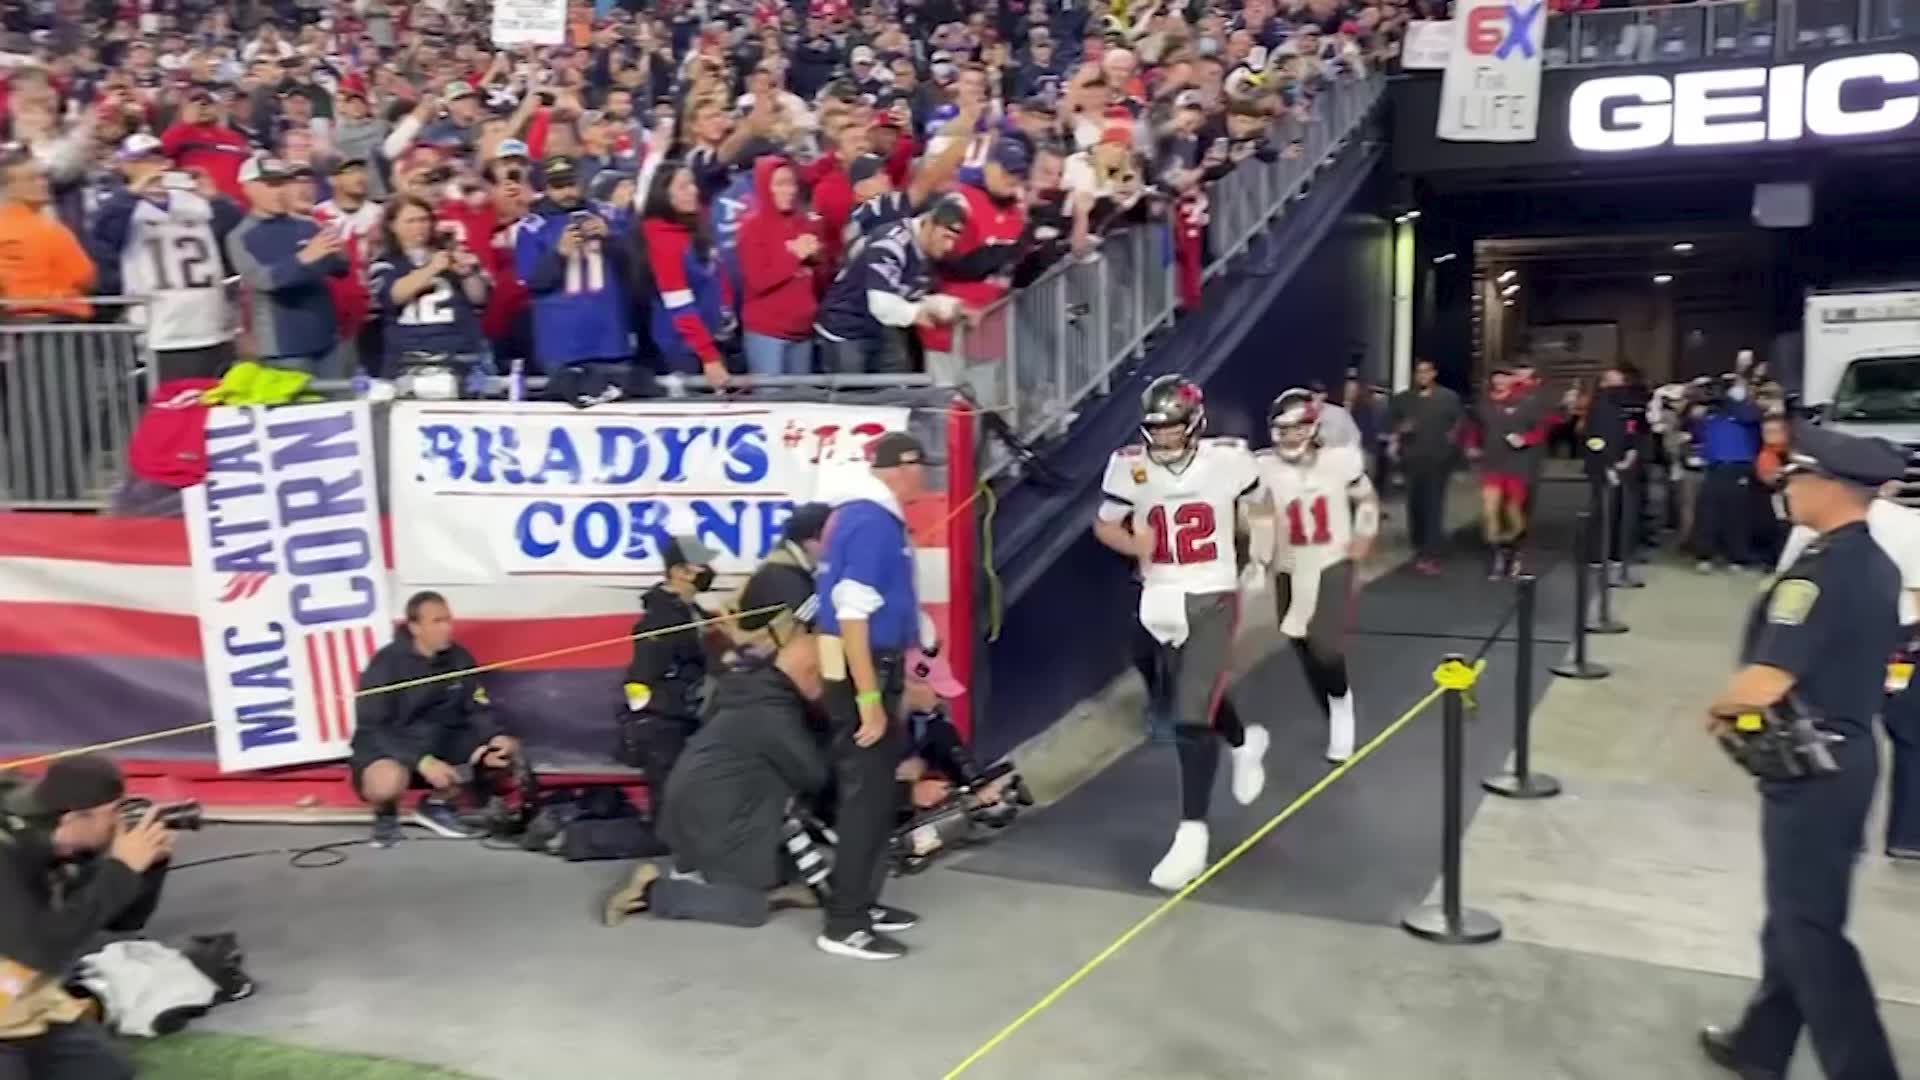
(1855,459)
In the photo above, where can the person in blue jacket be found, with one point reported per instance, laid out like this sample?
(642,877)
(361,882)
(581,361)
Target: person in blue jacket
(1727,430)
(577,270)
(285,261)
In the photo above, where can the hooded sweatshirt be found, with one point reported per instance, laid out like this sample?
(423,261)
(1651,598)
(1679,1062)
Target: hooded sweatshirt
(405,725)
(779,300)
(727,798)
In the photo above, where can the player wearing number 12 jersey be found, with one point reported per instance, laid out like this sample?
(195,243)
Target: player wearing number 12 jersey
(1175,504)
(1323,516)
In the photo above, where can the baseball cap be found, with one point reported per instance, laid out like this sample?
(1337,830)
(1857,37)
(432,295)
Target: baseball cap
(457,90)
(140,146)
(687,551)
(1011,155)
(512,148)
(263,170)
(896,448)
(347,163)
(560,170)
(862,54)
(865,167)
(807,522)
(81,782)
(935,672)
(1187,99)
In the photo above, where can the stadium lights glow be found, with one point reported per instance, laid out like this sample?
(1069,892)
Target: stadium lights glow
(1447,258)
(1662,279)
(1511,289)
(1508,275)
(1684,247)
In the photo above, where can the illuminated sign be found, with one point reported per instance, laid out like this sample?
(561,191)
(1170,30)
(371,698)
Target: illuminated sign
(1842,98)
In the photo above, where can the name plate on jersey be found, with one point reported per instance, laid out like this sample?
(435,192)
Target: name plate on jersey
(488,494)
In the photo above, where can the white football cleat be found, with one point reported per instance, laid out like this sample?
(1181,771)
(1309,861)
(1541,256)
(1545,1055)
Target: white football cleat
(1185,860)
(1340,727)
(1249,765)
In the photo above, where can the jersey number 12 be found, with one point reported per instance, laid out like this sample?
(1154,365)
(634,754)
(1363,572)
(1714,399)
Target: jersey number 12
(1189,540)
(181,261)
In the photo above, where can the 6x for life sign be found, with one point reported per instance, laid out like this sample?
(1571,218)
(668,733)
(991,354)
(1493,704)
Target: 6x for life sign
(1491,89)
(289,578)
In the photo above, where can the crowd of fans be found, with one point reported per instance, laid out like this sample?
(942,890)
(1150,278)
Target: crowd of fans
(704,188)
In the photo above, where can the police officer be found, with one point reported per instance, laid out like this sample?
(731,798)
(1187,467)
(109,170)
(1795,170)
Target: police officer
(1817,643)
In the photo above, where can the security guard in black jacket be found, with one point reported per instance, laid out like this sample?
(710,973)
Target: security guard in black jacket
(1813,665)
(437,730)
(666,682)
(1616,452)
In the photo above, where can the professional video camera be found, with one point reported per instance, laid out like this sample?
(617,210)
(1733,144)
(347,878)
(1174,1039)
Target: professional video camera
(959,820)
(1780,743)
(187,816)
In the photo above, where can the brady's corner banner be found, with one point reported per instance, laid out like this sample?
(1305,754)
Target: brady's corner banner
(488,495)
(1490,91)
(289,578)
(530,22)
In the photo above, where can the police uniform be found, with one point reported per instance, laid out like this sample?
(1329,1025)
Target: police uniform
(1829,620)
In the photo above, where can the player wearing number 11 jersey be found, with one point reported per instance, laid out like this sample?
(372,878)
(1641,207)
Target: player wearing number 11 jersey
(1323,516)
(1174,504)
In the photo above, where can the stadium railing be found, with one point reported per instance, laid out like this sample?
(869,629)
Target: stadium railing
(1035,356)
(71,391)
(1738,29)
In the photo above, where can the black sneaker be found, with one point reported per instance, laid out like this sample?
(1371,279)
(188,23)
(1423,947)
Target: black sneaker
(861,945)
(386,828)
(440,817)
(892,920)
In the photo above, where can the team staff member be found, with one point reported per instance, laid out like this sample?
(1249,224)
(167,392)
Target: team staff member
(795,559)
(666,685)
(427,733)
(1822,634)
(1426,439)
(869,618)
(69,869)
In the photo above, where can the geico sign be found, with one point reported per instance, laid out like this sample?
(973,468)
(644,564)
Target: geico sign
(1850,96)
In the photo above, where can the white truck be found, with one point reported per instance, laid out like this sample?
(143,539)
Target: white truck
(1860,368)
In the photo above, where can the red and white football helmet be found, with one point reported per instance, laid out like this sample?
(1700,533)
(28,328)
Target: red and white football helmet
(1294,422)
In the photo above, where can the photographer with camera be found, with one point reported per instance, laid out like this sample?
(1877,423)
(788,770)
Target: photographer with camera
(71,867)
(1798,714)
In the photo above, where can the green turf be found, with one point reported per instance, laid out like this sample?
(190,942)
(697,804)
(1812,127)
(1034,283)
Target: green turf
(203,1055)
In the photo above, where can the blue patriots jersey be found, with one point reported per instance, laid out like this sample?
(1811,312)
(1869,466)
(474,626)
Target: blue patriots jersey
(441,320)
(580,303)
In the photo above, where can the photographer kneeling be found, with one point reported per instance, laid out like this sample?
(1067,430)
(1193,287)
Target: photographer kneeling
(70,869)
(726,802)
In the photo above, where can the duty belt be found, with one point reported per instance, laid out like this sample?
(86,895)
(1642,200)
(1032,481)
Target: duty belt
(1783,743)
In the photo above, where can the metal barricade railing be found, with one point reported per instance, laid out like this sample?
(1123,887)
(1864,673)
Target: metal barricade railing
(70,395)
(1038,353)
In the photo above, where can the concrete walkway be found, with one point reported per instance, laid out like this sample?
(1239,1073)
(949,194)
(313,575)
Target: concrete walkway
(1653,852)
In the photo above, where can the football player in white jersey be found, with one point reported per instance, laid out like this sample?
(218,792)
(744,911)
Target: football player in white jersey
(1174,504)
(169,240)
(1322,516)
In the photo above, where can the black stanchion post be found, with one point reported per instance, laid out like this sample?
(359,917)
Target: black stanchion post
(1632,519)
(1575,664)
(1523,782)
(1447,922)
(1603,620)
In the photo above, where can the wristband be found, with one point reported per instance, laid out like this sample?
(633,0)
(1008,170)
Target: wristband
(425,758)
(867,697)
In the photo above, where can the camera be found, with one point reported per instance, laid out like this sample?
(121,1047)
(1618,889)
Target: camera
(187,816)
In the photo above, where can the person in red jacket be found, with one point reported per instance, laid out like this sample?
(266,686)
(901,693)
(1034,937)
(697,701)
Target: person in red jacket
(979,269)
(201,141)
(832,188)
(778,249)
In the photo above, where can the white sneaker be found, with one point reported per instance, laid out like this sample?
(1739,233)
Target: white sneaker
(1185,860)
(1249,765)
(1340,727)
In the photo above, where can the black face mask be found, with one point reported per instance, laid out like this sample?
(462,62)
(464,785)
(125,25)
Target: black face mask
(703,579)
